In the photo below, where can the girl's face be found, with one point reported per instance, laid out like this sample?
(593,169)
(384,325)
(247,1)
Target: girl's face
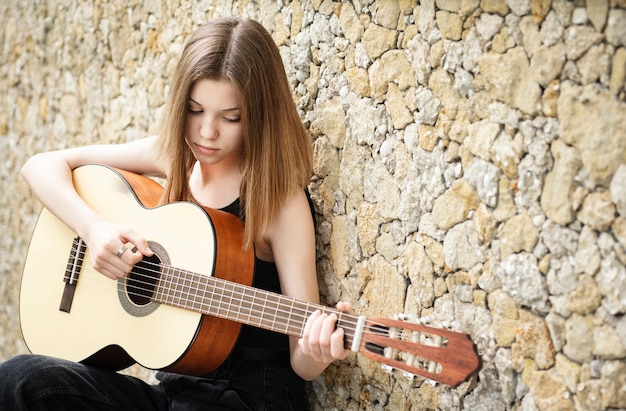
(214,131)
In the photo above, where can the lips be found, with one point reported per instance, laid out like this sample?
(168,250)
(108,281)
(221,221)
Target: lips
(206,150)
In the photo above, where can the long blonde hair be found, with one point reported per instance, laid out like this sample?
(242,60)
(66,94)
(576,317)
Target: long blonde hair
(276,159)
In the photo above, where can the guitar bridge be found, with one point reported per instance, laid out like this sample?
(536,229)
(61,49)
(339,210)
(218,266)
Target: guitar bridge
(72,271)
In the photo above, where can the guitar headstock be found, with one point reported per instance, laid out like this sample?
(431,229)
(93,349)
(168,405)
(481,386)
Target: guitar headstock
(438,354)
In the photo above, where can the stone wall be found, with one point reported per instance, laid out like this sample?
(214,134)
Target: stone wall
(470,168)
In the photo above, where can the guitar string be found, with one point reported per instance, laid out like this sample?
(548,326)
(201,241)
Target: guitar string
(376,328)
(380,327)
(181,289)
(237,296)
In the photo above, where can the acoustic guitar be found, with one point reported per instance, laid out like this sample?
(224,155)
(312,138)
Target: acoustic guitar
(181,310)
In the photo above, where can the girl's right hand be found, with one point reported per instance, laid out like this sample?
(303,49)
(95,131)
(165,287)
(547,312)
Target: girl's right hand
(115,249)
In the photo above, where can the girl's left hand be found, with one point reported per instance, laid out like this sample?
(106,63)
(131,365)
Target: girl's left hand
(321,339)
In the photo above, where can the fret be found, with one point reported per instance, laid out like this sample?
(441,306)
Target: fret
(158,290)
(270,313)
(230,287)
(217,299)
(289,318)
(170,289)
(300,312)
(246,304)
(188,284)
(175,294)
(249,305)
(180,288)
(168,286)
(186,292)
(182,285)
(280,310)
(339,319)
(199,293)
(236,302)
(225,302)
(205,299)
(274,309)
(164,285)
(199,298)
(262,311)
(348,335)
(185,295)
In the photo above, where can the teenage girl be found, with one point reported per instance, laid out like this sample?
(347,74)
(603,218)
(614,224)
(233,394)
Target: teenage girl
(231,139)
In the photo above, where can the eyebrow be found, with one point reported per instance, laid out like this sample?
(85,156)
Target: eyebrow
(226,109)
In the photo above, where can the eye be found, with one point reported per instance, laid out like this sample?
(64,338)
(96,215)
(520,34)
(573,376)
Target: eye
(232,119)
(192,110)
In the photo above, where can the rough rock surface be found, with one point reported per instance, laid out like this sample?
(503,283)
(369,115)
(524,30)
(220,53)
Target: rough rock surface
(470,168)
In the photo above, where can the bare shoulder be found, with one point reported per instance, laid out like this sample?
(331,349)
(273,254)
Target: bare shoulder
(292,223)
(294,212)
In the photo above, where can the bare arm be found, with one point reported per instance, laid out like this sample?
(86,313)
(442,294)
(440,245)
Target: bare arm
(291,237)
(50,177)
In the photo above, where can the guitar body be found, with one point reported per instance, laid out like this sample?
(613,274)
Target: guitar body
(104,324)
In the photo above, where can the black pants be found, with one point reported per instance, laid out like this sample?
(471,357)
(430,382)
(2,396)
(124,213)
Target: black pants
(31,382)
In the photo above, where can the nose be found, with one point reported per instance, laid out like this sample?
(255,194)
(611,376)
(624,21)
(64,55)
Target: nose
(208,128)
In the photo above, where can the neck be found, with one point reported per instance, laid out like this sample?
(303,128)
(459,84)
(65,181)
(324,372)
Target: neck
(215,186)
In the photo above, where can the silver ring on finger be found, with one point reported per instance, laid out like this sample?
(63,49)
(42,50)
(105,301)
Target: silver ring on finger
(121,251)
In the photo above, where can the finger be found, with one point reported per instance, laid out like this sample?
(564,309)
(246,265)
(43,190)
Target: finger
(116,264)
(337,345)
(326,330)
(309,324)
(118,269)
(140,244)
(314,336)
(323,342)
(306,333)
(108,274)
(132,257)
(344,306)
(120,252)
(112,272)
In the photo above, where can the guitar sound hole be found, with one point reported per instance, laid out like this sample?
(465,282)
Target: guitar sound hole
(141,281)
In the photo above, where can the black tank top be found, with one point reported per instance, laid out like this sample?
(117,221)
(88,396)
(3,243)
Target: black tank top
(253,342)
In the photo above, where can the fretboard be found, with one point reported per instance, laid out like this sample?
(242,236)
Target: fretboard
(242,304)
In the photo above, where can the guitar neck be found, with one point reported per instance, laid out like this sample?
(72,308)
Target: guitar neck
(243,304)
